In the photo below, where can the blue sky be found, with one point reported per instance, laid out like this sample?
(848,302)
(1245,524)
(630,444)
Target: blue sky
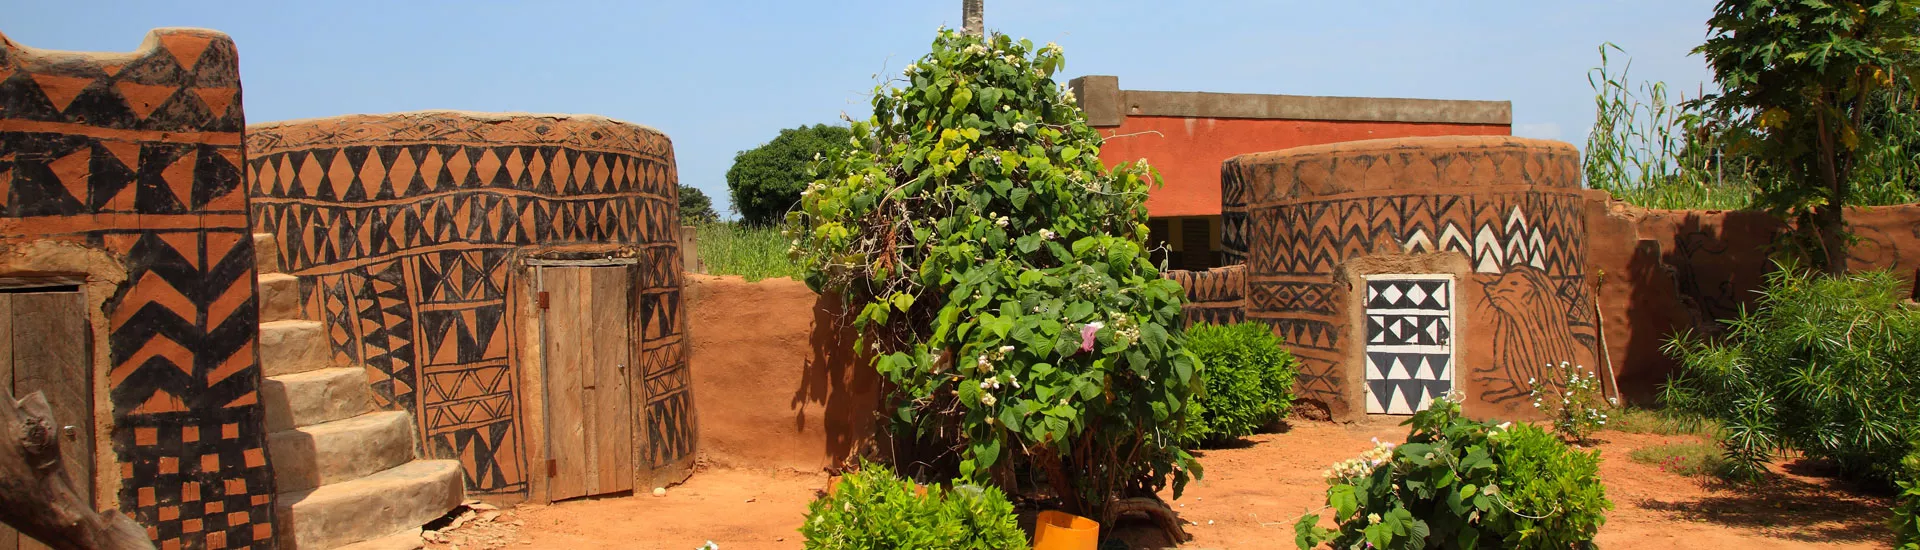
(720,77)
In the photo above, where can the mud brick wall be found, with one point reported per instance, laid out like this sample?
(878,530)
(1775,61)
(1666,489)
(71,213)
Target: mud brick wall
(406,230)
(1664,271)
(1217,296)
(126,169)
(1505,216)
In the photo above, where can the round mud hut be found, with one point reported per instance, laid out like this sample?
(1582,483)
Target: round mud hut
(1400,270)
(508,283)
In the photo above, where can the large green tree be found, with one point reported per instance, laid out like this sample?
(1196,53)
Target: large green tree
(696,206)
(1797,80)
(765,182)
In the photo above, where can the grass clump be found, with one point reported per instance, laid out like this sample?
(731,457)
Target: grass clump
(1647,421)
(752,252)
(1689,458)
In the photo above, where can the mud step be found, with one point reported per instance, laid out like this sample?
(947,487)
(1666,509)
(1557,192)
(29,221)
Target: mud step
(370,507)
(279,297)
(339,451)
(266,254)
(314,397)
(292,346)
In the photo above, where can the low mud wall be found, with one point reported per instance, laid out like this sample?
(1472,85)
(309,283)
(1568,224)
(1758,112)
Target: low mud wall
(779,384)
(1664,271)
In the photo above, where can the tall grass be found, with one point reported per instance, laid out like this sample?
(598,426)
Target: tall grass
(752,252)
(1648,149)
(1653,148)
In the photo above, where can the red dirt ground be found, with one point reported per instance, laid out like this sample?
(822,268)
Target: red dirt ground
(1250,497)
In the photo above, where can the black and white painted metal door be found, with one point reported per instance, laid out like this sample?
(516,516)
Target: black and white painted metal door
(1409,341)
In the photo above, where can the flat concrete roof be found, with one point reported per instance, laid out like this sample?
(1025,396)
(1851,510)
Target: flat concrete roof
(1108,105)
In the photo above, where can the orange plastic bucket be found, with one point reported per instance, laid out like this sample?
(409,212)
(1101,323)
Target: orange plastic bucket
(1056,530)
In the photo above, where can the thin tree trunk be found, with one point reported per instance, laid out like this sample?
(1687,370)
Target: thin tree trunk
(38,497)
(973,18)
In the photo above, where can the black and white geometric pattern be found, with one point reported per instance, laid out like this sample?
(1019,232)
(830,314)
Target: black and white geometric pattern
(1409,344)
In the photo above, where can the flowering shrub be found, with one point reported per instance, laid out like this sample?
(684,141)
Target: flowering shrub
(1458,483)
(872,509)
(1571,398)
(1001,277)
(1248,377)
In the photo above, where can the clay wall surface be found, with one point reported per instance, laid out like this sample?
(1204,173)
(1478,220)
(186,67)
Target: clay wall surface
(1217,296)
(124,170)
(779,384)
(1186,135)
(1504,216)
(409,233)
(1663,271)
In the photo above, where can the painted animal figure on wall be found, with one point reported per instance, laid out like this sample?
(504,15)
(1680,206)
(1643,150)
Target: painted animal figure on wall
(1530,331)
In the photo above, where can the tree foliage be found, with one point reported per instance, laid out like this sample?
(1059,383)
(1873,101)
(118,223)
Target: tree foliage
(1001,276)
(696,207)
(765,181)
(1797,78)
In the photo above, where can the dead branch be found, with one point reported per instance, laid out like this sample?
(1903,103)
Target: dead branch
(37,495)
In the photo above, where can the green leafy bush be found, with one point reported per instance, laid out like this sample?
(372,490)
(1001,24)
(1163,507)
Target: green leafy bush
(1248,376)
(872,509)
(1458,483)
(1001,277)
(1906,506)
(1570,397)
(1827,365)
(765,182)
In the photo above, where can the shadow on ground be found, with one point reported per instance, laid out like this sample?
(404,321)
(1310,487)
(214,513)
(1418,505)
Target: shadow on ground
(1788,508)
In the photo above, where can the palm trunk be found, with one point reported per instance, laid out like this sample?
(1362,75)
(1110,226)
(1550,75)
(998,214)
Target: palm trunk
(973,18)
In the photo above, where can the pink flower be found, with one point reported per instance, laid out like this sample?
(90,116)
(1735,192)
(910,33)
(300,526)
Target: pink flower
(1086,335)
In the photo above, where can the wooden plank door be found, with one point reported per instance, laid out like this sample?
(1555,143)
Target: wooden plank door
(44,347)
(588,342)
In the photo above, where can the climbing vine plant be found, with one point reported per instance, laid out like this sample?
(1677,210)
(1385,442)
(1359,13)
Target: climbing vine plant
(1001,279)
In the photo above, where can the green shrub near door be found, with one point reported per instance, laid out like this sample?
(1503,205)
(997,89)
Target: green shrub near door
(1248,376)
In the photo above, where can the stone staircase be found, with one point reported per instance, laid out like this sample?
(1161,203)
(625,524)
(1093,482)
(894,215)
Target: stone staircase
(346,473)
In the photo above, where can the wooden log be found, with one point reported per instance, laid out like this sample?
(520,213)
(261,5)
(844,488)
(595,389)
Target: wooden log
(37,495)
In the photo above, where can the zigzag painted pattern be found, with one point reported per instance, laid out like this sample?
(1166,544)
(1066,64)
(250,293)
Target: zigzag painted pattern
(139,155)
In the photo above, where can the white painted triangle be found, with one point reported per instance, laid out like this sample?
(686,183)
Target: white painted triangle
(1372,292)
(1398,371)
(1397,404)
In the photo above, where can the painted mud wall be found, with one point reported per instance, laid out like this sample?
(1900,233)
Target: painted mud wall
(409,230)
(1503,216)
(126,169)
(1186,135)
(779,384)
(1217,296)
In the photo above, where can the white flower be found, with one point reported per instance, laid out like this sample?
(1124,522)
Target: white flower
(910,68)
(1006,349)
(988,399)
(1047,234)
(977,49)
(1067,95)
(1004,108)
(1019,126)
(1002,222)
